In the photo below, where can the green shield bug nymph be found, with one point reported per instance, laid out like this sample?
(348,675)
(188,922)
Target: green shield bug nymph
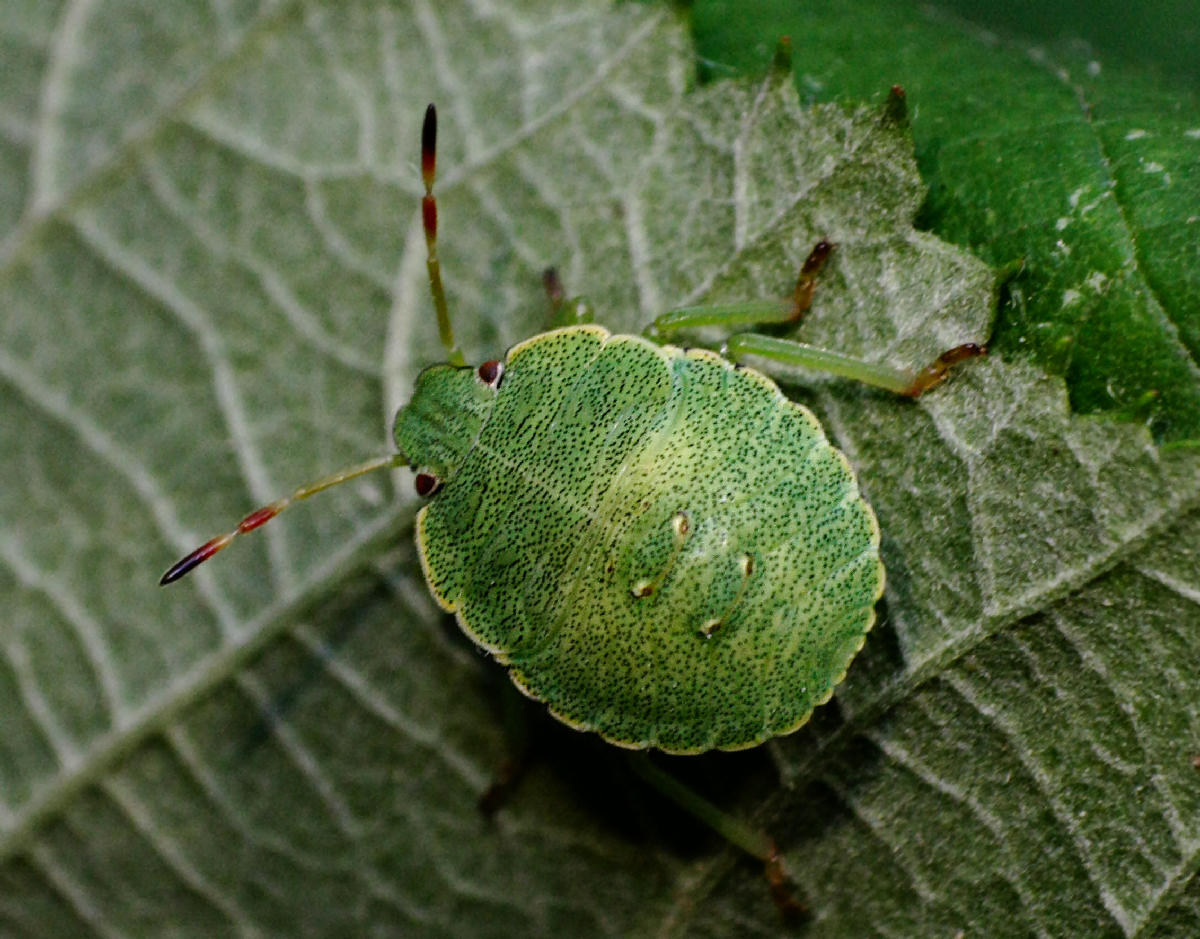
(657,543)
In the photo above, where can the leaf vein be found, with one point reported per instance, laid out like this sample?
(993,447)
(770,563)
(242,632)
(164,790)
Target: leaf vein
(1044,784)
(199,324)
(170,852)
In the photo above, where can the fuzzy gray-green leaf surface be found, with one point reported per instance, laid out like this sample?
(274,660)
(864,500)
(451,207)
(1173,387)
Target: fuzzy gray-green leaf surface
(212,273)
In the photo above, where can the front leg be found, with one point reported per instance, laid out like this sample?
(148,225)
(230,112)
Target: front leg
(758,844)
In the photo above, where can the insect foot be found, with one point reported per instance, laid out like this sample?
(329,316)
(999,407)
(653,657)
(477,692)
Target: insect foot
(936,372)
(780,884)
(755,842)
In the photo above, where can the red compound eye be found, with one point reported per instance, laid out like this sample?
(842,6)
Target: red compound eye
(491,372)
(427,484)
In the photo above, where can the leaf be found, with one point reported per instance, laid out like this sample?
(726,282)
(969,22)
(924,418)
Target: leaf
(213,283)
(1080,162)
(1045,783)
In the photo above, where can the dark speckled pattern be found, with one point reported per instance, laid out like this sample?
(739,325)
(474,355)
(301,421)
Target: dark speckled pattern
(596,444)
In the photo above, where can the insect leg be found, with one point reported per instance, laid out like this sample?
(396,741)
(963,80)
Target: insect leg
(899,380)
(755,312)
(565,311)
(758,844)
(512,769)
(750,312)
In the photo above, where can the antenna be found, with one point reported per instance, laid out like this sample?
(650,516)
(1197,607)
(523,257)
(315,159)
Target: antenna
(429,217)
(261,516)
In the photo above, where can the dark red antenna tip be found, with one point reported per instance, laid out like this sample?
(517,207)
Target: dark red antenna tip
(193,560)
(209,548)
(429,146)
(429,217)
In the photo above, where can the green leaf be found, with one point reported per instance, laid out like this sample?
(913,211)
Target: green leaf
(212,271)
(1077,161)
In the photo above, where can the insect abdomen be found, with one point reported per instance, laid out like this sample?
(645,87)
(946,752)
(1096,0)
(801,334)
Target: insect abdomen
(664,548)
